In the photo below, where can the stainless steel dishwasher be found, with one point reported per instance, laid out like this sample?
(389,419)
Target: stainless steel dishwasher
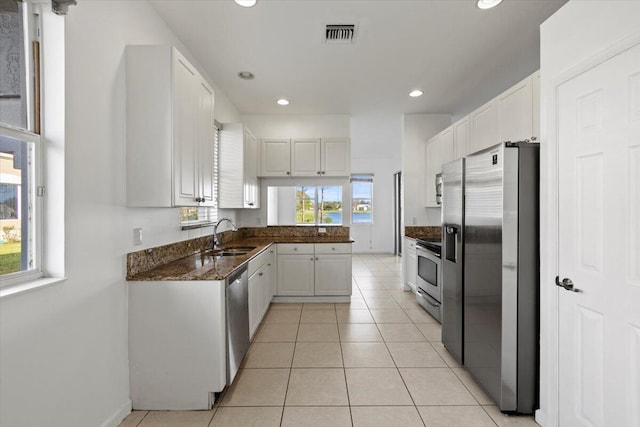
(237,289)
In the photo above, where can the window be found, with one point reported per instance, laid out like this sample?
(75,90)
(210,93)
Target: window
(362,199)
(319,205)
(20,207)
(194,217)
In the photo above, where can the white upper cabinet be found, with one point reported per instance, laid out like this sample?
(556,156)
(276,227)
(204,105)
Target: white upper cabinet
(484,126)
(170,130)
(432,160)
(251,183)
(305,157)
(336,157)
(438,151)
(446,147)
(207,141)
(238,168)
(276,157)
(515,113)
(461,138)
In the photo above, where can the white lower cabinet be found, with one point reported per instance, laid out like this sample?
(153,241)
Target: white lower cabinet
(296,275)
(409,263)
(333,275)
(177,351)
(261,287)
(321,269)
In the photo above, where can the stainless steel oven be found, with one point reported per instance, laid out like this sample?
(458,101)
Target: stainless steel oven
(429,277)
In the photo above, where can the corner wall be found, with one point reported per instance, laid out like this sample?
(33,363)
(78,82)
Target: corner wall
(64,348)
(417,129)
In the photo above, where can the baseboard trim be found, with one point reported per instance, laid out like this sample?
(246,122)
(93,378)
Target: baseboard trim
(541,417)
(118,416)
(312,299)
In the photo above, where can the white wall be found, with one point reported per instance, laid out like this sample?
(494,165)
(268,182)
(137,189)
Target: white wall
(417,129)
(64,352)
(575,33)
(375,148)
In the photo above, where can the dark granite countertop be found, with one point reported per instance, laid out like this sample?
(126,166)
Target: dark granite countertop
(199,266)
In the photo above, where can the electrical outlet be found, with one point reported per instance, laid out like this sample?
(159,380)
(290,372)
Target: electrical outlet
(137,236)
(414,220)
(259,221)
(322,230)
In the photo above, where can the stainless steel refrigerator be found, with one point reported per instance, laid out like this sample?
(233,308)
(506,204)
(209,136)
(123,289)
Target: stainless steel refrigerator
(452,257)
(492,287)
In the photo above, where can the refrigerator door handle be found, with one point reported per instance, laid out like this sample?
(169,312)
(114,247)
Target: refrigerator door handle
(451,243)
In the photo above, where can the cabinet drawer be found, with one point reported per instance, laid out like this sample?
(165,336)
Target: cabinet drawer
(411,243)
(263,258)
(295,248)
(333,248)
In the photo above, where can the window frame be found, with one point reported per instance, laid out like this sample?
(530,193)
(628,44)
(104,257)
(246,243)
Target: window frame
(31,24)
(352,179)
(316,202)
(36,234)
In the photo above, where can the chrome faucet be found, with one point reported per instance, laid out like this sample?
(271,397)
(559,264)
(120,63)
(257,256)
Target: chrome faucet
(216,239)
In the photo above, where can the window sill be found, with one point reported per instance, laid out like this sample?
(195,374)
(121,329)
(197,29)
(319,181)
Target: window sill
(194,225)
(29,286)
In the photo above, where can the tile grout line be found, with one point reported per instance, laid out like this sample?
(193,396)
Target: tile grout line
(401,377)
(344,368)
(295,346)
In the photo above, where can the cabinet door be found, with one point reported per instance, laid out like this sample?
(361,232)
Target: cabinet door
(185,143)
(461,138)
(432,160)
(333,275)
(272,278)
(305,157)
(295,275)
(255,302)
(267,285)
(515,115)
(276,157)
(484,127)
(446,148)
(206,135)
(535,89)
(336,157)
(251,189)
(410,263)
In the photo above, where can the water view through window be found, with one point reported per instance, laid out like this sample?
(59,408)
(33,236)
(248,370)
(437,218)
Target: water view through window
(362,198)
(319,205)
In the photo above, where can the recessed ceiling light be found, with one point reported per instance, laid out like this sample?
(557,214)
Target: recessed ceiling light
(246,75)
(246,3)
(487,4)
(416,93)
(283,101)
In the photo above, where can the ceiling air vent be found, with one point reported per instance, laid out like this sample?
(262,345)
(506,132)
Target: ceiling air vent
(340,34)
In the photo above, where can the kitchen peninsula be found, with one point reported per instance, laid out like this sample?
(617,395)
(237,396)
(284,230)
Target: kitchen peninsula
(180,308)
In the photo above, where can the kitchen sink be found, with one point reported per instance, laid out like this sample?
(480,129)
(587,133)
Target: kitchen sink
(239,250)
(235,251)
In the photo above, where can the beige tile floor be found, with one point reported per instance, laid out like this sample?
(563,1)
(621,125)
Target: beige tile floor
(377,361)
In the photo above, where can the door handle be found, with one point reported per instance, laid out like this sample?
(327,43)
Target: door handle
(567,284)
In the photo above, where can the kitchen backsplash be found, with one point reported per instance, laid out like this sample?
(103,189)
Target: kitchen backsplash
(147,259)
(423,232)
(294,231)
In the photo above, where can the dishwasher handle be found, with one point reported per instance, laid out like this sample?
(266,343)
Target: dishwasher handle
(237,275)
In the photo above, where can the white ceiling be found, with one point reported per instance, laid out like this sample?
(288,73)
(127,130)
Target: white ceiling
(459,55)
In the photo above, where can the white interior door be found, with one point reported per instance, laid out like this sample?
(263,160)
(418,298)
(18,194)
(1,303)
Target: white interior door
(599,244)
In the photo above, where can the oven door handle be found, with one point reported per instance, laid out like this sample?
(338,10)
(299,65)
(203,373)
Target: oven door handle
(422,293)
